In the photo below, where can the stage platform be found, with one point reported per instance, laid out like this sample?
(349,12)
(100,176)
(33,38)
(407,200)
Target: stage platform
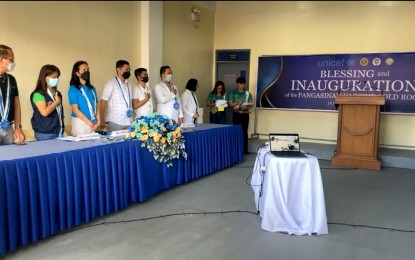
(398,158)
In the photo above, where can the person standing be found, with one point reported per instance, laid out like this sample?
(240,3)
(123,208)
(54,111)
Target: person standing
(217,114)
(83,100)
(167,96)
(238,102)
(10,111)
(190,103)
(47,120)
(142,101)
(117,97)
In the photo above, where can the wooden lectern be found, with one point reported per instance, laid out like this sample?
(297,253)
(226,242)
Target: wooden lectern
(358,131)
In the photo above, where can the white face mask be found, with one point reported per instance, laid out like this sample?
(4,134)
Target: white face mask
(169,77)
(53,82)
(11,66)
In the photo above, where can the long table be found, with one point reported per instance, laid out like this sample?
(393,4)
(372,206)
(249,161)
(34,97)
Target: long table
(49,186)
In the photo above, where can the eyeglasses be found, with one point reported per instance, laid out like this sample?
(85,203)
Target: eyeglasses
(11,60)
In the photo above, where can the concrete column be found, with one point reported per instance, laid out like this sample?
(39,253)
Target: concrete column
(152,39)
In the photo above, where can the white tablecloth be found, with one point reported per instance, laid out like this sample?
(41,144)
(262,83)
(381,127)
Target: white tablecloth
(292,198)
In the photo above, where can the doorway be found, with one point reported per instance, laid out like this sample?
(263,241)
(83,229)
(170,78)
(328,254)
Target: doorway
(231,64)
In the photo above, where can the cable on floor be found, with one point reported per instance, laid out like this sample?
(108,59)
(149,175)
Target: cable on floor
(374,227)
(222,213)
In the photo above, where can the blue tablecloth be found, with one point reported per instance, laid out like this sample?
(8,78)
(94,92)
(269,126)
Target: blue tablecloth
(50,186)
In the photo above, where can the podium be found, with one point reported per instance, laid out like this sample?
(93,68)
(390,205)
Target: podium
(358,131)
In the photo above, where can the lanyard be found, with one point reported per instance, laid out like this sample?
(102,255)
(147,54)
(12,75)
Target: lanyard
(59,110)
(4,111)
(197,105)
(91,109)
(247,96)
(123,94)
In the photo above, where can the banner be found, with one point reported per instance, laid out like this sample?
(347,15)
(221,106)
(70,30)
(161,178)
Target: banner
(311,82)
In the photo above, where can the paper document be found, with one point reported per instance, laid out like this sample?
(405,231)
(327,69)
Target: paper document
(123,133)
(221,103)
(186,125)
(200,118)
(243,106)
(83,137)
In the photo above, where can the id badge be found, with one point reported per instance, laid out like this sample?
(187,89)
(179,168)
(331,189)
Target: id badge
(4,125)
(129,113)
(176,105)
(221,109)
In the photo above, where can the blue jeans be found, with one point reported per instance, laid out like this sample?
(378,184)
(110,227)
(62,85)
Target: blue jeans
(217,118)
(41,136)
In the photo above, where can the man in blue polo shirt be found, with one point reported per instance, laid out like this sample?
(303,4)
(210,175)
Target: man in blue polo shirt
(9,100)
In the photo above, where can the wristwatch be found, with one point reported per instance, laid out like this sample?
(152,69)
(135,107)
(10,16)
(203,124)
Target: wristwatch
(19,126)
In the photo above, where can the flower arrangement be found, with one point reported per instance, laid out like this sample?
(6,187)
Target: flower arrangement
(160,135)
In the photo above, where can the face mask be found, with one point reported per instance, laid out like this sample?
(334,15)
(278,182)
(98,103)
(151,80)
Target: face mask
(169,77)
(53,82)
(11,66)
(126,74)
(85,75)
(145,79)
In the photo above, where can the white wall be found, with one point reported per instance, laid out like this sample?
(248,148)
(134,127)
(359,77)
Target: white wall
(62,33)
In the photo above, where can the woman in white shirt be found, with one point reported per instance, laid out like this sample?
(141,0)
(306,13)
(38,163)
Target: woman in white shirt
(190,103)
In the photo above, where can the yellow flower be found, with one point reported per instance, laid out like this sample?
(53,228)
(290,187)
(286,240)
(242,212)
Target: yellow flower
(156,138)
(132,134)
(163,140)
(152,134)
(177,131)
(144,129)
(164,129)
(144,138)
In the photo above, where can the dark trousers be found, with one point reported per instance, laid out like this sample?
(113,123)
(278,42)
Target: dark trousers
(217,118)
(242,119)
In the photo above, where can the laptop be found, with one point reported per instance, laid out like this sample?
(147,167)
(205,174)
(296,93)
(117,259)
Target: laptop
(285,145)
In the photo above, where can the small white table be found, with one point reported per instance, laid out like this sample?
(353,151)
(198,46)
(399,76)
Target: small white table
(292,198)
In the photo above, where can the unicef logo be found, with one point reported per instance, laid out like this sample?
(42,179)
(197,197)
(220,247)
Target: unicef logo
(389,61)
(376,61)
(364,61)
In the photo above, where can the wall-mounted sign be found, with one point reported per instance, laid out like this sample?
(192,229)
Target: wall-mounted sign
(311,82)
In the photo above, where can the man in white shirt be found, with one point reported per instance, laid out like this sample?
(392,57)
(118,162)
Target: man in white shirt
(142,101)
(117,96)
(167,96)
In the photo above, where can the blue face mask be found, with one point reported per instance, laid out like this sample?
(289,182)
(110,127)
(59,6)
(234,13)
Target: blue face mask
(169,77)
(53,82)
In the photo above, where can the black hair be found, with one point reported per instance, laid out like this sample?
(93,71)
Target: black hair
(191,85)
(241,80)
(75,79)
(121,64)
(163,69)
(44,72)
(215,88)
(138,71)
